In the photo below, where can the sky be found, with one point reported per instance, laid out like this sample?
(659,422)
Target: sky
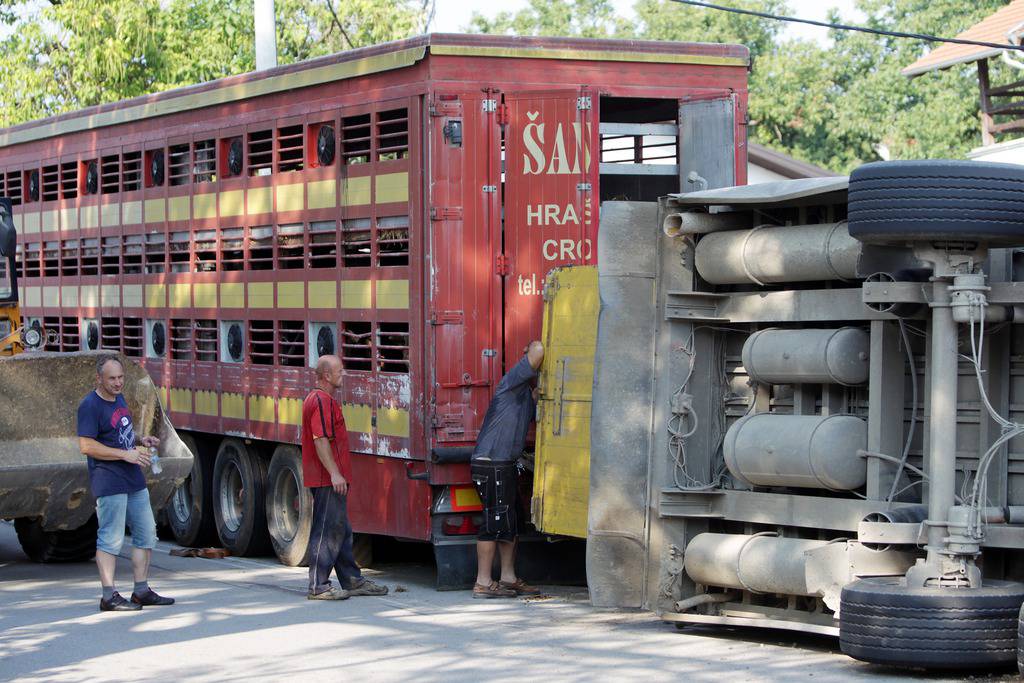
(452,15)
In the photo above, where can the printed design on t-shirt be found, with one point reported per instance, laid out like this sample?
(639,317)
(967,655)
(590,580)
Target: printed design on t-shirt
(121,422)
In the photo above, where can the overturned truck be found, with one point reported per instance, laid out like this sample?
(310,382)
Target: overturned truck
(806,410)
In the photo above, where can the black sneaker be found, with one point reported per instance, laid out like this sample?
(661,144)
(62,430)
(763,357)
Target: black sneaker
(150,598)
(116,603)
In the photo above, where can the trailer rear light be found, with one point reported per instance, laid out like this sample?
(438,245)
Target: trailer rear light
(461,525)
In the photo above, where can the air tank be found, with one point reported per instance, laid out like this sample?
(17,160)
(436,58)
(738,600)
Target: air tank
(757,563)
(768,254)
(776,356)
(805,451)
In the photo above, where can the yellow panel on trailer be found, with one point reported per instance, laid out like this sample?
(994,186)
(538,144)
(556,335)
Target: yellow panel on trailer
(561,480)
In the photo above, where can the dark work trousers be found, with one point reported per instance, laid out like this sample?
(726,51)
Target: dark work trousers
(330,542)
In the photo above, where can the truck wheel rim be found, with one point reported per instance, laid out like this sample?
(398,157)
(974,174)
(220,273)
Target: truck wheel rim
(286,503)
(232,495)
(181,502)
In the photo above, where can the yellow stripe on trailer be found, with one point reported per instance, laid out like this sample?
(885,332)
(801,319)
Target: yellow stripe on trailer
(561,481)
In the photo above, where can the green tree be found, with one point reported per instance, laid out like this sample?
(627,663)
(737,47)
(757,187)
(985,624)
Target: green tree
(63,55)
(586,18)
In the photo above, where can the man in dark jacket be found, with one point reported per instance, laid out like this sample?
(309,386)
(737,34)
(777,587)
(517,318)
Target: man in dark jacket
(494,471)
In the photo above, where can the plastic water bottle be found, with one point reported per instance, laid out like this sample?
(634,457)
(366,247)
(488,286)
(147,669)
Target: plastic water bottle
(154,460)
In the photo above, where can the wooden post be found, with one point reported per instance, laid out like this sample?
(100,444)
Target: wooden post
(987,138)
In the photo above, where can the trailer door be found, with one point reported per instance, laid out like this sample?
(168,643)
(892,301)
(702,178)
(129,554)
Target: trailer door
(550,214)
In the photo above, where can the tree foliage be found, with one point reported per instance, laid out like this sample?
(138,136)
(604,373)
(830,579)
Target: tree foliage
(836,106)
(60,56)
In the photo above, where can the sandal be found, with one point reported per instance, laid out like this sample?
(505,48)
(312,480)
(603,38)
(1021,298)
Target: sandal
(519,587)
(494,590)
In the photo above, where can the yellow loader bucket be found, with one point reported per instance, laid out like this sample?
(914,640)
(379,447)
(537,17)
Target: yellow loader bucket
(43,475)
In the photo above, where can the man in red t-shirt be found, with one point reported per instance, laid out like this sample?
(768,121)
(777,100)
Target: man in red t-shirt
(327,470)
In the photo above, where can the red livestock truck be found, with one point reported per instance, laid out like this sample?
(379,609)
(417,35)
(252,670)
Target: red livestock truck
(399,205)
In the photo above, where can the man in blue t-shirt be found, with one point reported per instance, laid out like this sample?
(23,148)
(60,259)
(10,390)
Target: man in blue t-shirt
(496,477)
(106,436)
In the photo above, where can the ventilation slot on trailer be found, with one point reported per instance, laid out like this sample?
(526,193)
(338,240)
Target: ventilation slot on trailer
(261,248)
(179,162)
(90,261)
(232,253)
(132,340)
(131,171)
(32,254)
(205,251)
(179,252)
(393,347)
(355,139)
(206,340)
(69,334)
(156,252)
(204,169)
(356,239)
(323,244)
(289,148)
(393,241)
(51,184)
(110,333)
(69,180)
(261,152)
(110,174)
(51,259)
(356,346)
(110,256)
(261,342)
(69,258)
(133,253)
(14,187)
(181,339)
(290,247)
(392,134)
(291,343)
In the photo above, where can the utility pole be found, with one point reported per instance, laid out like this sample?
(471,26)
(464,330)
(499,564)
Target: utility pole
(266,35)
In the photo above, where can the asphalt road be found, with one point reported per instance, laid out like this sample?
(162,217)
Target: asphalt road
(242,620)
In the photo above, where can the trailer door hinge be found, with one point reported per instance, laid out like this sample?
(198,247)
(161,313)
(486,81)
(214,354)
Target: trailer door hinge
(490,106)
(490,188)
(583,187)
(501,264)
(583,103)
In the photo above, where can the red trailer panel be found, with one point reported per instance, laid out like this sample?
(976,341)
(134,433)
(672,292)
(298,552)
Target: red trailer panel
(399,205)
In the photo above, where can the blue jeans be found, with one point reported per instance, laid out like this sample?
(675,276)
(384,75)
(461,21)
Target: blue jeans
(330,542)
(113,511)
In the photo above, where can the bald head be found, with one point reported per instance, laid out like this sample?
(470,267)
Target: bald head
(328,373)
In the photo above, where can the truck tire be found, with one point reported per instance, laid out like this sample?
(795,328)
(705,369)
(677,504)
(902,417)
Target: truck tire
(189,512)
(239,499)
(289,507)
(1020,642)
(73,545)
(937,200)
(937,628)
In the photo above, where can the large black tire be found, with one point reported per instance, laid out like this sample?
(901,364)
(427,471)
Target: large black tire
(937,200)
(1020,642)
(74,545)
(289,507)
(189,512)
(932,628)
(239,499)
